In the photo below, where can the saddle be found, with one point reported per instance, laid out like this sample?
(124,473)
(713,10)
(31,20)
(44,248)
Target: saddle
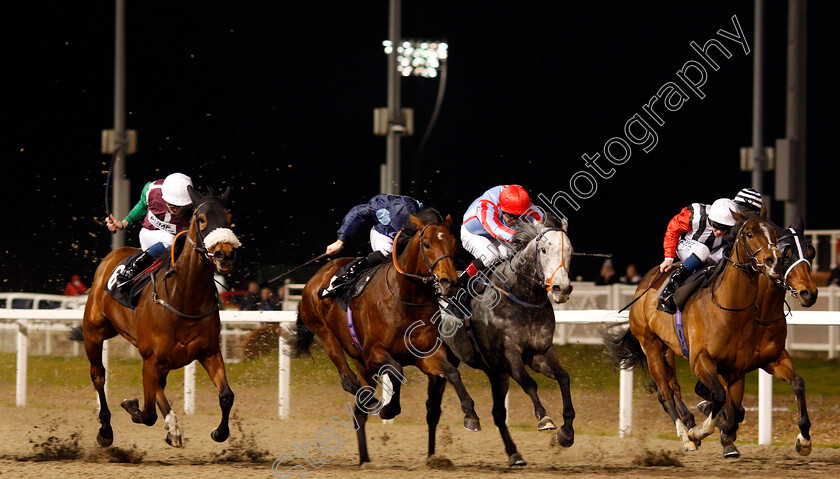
(356,287)
(129,294)
(699,280)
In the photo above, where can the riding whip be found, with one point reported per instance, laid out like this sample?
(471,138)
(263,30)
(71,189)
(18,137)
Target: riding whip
(317,258)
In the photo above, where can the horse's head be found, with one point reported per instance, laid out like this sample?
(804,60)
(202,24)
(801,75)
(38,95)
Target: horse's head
(210,230)
(755,245)
(552,257)
(436,245)
(796,265)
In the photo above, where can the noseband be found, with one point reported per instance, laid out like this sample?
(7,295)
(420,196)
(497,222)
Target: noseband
(801,255)
(198,245)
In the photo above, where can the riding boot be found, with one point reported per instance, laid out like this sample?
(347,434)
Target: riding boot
(339,281)
(666,298)
(135,267)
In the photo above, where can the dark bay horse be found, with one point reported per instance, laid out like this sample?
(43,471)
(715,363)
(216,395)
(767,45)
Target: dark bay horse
(770,354)
(513,325)
(176,320)
(393,322)
(720,330)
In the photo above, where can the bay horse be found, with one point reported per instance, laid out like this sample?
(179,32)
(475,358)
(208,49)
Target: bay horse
(393,325)
(770,354)
(720,332)
(513,326)
(175,322)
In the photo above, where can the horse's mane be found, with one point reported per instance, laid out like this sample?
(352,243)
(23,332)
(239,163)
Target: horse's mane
(527,230)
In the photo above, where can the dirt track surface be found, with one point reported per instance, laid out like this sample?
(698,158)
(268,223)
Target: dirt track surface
(396,450)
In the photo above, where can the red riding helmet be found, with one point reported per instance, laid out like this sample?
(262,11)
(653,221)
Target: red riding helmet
(514,200)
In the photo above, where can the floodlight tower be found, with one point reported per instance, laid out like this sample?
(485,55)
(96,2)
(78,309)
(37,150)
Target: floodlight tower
(423,58)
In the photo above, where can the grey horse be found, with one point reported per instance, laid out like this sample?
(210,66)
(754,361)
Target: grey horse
(512,325)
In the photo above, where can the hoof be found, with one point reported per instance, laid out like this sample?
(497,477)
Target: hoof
(565,439)
(705,407)
(472,424)
(731,451)
(364,459)
(803,446)
(174,441)
(545,424)
(219,435)
(132,406)
(390,412)
(515,459)
(693,435)
(689,446)
(106,437)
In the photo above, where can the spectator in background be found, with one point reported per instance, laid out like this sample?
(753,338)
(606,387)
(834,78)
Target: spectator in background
(281,295)
(268,301)
(251,299)
(75,287)
(834,277)
(607,275)
(631,275)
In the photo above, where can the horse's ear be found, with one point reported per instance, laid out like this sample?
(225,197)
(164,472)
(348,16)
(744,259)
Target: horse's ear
(448,221)
(194,195)
(226,196)
(564,225)
(739,217)
(417,222)
(763,214)
(800,225)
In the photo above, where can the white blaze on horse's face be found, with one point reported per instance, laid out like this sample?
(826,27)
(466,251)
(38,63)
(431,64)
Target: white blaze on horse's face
(553,258)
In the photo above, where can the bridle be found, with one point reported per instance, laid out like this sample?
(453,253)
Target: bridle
(748,268)
(432,277)
(802,256)
(539,275)
(198,244)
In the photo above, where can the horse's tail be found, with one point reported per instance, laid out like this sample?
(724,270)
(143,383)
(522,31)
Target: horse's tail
(76,334)
(301,339)
(624,348)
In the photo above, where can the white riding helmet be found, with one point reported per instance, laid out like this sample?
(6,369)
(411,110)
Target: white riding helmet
(721,212)
(175,189)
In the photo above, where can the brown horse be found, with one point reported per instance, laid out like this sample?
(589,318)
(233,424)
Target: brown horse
(393,322)
(770,354)
(176,320)
(720,332)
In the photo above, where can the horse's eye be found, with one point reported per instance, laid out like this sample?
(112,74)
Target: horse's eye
(749,235)
(543,250)
(426,245)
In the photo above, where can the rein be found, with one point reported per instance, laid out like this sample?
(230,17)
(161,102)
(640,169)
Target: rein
(429,266)
(391,292)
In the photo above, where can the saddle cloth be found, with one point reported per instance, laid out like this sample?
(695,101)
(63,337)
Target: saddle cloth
(129,294)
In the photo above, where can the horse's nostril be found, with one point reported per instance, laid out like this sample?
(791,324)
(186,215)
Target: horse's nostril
(805,294)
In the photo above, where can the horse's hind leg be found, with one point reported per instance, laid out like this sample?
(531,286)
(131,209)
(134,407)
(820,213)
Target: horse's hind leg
(499,384)
(94,336)
(170,420)
(434,398)
(215,367)
(660,372)
(686,415)
(332,346)
(438,365)
(783,369)
(549,365)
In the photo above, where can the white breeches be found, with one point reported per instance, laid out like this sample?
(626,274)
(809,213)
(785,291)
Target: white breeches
(149,237)
(687,247)
(381,242)
(488,250)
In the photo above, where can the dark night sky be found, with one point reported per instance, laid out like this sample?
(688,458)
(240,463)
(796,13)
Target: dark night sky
(275,99)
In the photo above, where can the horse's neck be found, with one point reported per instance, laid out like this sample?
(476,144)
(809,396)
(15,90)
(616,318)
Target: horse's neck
(736,286)
(410,261)
(192,272)
(771,299)
(406,288)
(522,264)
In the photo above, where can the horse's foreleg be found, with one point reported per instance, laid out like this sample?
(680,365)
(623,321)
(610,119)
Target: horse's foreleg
(734,416)
(361,436)
(215,367)
(705,370)
(499,385)
(438,365)
(434,398)
(549,365)
(170,420)
(521,376)
(783,369)
(378,359)
(93,348)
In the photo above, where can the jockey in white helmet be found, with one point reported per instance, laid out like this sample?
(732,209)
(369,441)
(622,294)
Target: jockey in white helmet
(164,211)
(696,236)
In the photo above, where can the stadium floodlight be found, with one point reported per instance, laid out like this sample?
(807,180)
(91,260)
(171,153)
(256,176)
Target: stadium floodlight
(422,58)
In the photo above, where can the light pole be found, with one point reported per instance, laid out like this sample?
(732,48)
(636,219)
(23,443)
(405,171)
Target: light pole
(391,184)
